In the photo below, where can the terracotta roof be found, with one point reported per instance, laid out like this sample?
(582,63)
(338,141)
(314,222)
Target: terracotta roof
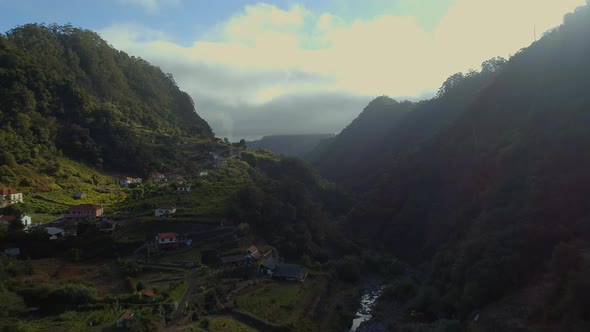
(127,314)
(167,235)
(148,292)
(10,191)
(84,207)
(7,218)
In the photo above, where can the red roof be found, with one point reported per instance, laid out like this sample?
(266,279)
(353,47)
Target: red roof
(148,292)
(85,207)
(7,218)
(10,191)
(167,235)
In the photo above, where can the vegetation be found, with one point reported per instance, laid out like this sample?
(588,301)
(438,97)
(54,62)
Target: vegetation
(481,184)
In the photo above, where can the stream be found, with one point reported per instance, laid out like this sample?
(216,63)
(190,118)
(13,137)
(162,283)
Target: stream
(363,321)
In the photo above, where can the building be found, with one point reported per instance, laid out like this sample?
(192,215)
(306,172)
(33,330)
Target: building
(124,318)
(82,212)
(220,162)
(79,195)
(234,260)
(25,219)
(253,253)
(167,240)
(183,188)
(289,272)
(10,196)
(158,177)
(127,181)
(54,233)
(268,266)
(175,177)
(203,173)
(13,252)
(165,210)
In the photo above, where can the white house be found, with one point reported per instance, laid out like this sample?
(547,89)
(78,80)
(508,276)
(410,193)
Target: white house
(126,181)
(203,173)
(159,177)
(164,210)
(25,219)
(183,188)
(10,196)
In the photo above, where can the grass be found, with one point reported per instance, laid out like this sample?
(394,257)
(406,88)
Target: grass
(70,321)
(281,302)
(177,292)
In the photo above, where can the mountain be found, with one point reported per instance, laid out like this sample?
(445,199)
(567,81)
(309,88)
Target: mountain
(289,145)
(488,184)
(66,90)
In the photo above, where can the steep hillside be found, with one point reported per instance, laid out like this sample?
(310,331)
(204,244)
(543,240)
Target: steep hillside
(289,145)
(65,90)
(491,194)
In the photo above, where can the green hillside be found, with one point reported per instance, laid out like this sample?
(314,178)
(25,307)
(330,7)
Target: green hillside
(65,91)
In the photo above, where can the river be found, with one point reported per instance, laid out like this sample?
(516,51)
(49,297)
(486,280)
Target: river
(363,320)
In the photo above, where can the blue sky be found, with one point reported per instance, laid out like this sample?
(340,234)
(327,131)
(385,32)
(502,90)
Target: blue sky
(301,66)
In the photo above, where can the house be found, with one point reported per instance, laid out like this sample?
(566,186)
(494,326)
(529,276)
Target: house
(175,177)
(233,260)
(268,266)
(14,252)
(124,318)
(82,212)
(149,294)
(158,177)
(253,253)
(164,210)
(289,272)
(220,162)
(127,181)
(183,188)
(203,173)
(25,219)
(107,225)
(10,196)
(167,240)
(54,233)
(79,195)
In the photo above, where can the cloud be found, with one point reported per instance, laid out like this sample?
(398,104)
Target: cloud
(269,70)
(150,6)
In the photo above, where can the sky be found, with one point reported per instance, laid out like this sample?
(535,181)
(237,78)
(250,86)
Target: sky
(258,68)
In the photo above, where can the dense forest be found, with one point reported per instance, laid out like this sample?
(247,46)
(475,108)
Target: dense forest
(65,91)
(487,181)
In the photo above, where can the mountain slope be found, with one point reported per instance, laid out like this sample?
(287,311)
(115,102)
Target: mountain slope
(486,183)
(490,195)
(66,89)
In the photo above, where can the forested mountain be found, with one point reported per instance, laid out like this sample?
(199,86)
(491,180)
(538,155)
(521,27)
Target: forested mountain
(65,89)
(290,145)
(489,181)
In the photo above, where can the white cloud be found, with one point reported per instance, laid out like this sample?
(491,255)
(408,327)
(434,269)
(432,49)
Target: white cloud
(264,54)
(150,6)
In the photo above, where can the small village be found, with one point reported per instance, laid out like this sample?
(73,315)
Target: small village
(169,257)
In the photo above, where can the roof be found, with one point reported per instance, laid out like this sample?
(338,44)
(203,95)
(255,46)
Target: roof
(10,191)
(128,179)
(232,259)
(127,314)
(270,263)
(53,230)
(7,218)
(166,207)
(85,207)
(254,252)
(148,292)
(167,235)
(289,271)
